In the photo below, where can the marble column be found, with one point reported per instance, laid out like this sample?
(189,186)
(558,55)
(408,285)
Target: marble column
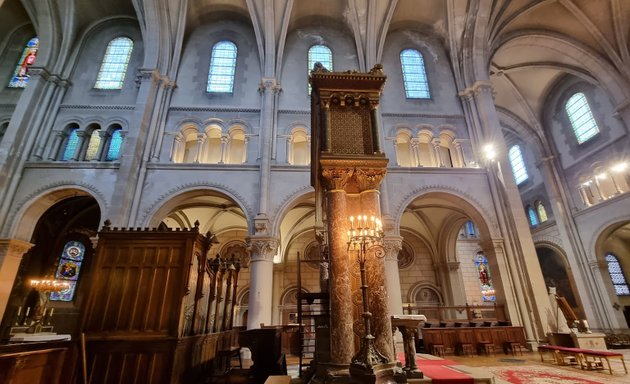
(263,249)
(11,252)
(341,318)
(369,181)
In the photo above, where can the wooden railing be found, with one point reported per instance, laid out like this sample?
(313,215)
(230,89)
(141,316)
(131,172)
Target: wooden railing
(457,313)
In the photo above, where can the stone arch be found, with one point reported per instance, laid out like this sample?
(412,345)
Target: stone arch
(289,202)
(235,248)
(169,200)
(28,211)
(425,290)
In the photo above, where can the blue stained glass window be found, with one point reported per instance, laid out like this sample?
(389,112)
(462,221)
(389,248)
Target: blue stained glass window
(222,67)
(518,164)
(533,219)
(20,75)
(485,279)
(617,276)
(71,145)
(319,54)
(114,65)
(115,143)
(581,117)
(68,269)
(414,74)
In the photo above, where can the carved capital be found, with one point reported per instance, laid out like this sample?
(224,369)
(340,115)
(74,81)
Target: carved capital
(146,74)
(336,178)
(13,248)
(392,245)
(261,224)
(39,71)
(268,84)
(369,179)
(452,265)
(262,248)
(598,264)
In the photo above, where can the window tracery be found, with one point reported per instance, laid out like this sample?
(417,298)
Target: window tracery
(581,118)
(29,54)
(222,68)
(113,69)
(414,74)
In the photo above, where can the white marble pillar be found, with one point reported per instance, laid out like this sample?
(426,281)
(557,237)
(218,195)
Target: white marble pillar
(11,252)
(263,249)
(393,245)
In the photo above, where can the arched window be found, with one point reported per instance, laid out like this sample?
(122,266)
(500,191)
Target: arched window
(237,147)
(542,212)
(581,117)
(115,142)
(93,145)
(20,75)
(72,142)
(617,276)
(319,54)
(518,164)
(533,219)
(114,65)
(414,74)
(222,68)
(68,269)
(485,279)
(298,151)
(404,152)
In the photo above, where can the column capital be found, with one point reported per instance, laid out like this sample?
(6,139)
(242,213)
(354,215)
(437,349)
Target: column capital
(392,245)
(14,247)
(452,265)
(336,178)
(262,248)
(369,179)
(147,74)
(598,264)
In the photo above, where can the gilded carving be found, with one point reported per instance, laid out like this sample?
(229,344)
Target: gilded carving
(336,178)
(369,179)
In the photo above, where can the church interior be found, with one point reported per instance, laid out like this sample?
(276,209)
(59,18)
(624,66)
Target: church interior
(179,179)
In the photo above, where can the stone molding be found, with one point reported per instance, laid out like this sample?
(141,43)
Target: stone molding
(98,107)
(213,109)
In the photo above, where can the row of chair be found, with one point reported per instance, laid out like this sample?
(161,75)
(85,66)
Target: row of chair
(617,340)
(470,324)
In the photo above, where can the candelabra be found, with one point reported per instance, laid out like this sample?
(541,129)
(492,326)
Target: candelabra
(44,287)
(365,237)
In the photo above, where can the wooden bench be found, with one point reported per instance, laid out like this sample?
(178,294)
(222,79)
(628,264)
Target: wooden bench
(587,358)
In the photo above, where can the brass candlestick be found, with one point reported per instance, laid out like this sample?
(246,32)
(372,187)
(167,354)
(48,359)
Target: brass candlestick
(44,287)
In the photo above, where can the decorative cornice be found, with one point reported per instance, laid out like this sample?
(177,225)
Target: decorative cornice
(98,107)
(213,109)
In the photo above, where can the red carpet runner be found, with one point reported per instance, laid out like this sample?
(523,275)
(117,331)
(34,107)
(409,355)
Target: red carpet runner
(440,372)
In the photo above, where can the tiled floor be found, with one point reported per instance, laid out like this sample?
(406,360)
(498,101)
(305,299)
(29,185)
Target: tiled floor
(529,361)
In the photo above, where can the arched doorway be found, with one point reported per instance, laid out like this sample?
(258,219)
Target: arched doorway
(557,273)
(62,250)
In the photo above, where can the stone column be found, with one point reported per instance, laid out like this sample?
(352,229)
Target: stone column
(262,249)
(224,144)
(393,245)
(79,150)
(369,181)
(612,317)
(415,153)
(437,152)
(456,282)
(201,139)
(55,147)
(341,319)
(11,252)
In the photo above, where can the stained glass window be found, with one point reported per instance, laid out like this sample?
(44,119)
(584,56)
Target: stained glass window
(542,212)
(20,75)
(414,74)
(115,143)
(581,117)
(617,276)
(114,65)
(485,279)
(518,164)
(533,219)
(93,145)
(470,228)
(222,67)
(319,54)
(68,269)
(71,145)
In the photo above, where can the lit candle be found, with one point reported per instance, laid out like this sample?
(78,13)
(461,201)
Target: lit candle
(51,312)
(19,311)
(45,309)
(351,222)
(28,310)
